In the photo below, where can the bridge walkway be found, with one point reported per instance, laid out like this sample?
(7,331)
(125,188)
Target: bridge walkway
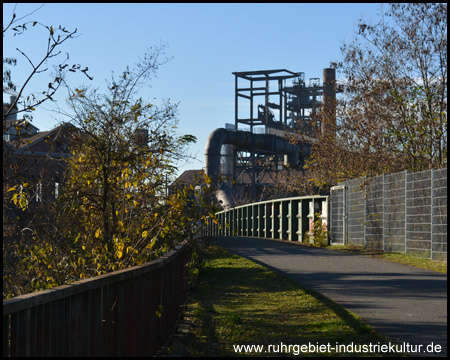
(403,302)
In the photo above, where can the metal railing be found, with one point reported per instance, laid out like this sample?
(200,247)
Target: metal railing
(286,219)
(130,312)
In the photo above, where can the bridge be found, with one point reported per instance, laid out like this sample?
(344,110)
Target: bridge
(402,302)
(133,312)
(285,219)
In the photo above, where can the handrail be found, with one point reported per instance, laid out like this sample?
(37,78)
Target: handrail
(287,219)
(23,302)
(124,313)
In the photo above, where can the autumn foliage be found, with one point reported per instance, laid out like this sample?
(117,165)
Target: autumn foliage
(392,106)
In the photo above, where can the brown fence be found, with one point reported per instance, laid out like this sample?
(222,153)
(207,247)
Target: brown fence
(130,312)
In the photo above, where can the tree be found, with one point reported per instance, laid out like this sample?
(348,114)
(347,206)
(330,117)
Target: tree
(123,161)
(392,115)
(16,166)
(56,37)
(114,210)
(20,170)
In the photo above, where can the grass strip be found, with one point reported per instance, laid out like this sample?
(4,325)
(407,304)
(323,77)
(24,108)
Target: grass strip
(402,258)
(235,301)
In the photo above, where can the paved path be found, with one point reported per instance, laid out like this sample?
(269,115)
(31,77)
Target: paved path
(405,303)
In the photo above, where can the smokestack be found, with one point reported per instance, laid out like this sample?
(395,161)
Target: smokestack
(329,99)
(12,116)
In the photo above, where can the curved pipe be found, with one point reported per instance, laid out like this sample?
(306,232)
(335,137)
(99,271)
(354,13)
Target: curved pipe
(244,140)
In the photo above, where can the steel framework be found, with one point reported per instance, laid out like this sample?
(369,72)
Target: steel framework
(286,107)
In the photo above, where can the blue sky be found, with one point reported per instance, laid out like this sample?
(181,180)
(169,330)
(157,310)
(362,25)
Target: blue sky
(207,42)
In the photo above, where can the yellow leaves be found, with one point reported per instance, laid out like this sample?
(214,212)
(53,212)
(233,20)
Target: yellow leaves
(97,233)
(121,223)
(144,234)
(20,198)
(119,250)
(149,246)
(207,179)
(80,93)
(159,311)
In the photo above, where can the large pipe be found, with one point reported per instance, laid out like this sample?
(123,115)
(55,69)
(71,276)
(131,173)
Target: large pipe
(247,141)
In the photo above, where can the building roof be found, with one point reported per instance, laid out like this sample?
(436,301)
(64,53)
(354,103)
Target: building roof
(187,177)
(28,141)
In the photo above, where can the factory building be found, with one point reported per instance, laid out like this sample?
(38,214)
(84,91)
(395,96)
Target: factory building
(277,107)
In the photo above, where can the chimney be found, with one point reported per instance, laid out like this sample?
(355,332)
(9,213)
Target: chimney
(13,115)
(329,98)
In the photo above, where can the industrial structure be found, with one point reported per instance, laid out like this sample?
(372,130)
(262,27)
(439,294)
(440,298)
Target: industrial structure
(272,107)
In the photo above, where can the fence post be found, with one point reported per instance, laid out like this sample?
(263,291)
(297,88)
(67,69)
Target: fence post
(432,186)
(299,222)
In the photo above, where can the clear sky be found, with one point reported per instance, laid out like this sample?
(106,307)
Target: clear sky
(207,42)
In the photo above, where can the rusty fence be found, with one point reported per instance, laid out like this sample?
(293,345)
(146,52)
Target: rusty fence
(131,312)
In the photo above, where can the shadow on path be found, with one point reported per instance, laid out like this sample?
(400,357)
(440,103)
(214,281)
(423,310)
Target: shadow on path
(405,303)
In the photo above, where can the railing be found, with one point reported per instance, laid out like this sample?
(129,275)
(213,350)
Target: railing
(130,312)
(286,219)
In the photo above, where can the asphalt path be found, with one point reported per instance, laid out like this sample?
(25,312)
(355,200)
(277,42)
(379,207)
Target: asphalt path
(405,303)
